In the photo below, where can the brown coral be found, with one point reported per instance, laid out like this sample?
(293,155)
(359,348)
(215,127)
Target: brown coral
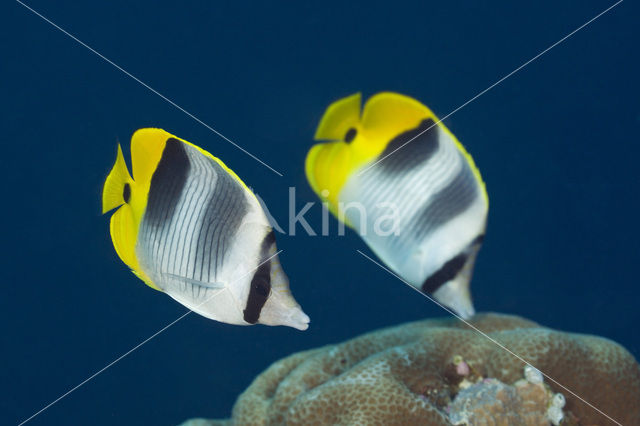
(402,375)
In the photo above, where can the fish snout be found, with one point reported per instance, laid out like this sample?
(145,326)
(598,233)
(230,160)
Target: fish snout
(282,309)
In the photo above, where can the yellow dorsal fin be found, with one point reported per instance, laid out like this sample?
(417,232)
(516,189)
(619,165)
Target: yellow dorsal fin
(147,146)
(339,117)
(113,190)
(387,114)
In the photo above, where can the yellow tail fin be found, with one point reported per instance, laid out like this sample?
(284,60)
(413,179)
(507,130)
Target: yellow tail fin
(114,191)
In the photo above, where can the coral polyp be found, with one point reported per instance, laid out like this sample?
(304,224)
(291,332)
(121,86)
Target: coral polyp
(533,375)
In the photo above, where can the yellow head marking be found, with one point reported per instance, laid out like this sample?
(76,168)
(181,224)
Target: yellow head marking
(385,116)
(356,139)
(121,191)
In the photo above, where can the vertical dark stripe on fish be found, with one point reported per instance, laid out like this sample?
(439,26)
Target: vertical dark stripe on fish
(258,293)
(446,273)
(260,283)
(268,241)
(167,183)
(421,144)
(448,203)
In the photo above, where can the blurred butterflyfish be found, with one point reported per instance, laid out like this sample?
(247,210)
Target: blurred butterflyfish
(187,225)
(396,165)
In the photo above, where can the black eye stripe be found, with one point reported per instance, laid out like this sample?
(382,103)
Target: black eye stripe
(350,135)
(126,193)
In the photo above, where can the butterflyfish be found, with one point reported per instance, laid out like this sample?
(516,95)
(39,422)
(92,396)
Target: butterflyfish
(187,225)
(401,179)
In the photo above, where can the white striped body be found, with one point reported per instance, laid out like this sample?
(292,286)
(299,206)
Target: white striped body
(201,253)
(433,204)
(199,234)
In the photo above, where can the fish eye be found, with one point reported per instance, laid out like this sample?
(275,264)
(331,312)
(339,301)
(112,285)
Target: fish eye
(262,287)
(126,192)
(350,135)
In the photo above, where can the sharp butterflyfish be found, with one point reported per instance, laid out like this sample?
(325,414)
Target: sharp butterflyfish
(400,178)
(188,226)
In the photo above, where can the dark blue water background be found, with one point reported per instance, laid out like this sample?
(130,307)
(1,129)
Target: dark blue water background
(557,144)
